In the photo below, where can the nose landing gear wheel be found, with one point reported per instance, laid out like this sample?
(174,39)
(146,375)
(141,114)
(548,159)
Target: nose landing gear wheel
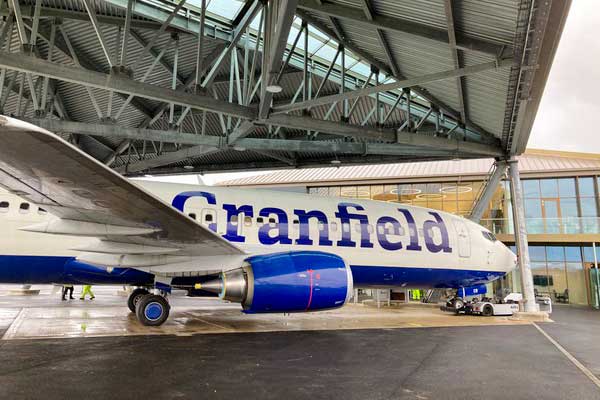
(152,310)
(134,297)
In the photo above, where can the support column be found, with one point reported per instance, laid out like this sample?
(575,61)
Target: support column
(521,238)
(488,191)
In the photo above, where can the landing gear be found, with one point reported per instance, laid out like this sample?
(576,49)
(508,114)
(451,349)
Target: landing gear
(152,310)
(134,297)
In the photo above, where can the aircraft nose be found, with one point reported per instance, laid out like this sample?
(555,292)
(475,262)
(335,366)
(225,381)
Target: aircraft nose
(508,259)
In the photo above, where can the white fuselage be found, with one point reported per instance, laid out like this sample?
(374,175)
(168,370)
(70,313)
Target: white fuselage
(365,233)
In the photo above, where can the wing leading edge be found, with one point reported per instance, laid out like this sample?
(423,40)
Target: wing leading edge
(92,199)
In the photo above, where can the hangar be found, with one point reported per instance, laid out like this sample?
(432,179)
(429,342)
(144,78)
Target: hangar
(158,87)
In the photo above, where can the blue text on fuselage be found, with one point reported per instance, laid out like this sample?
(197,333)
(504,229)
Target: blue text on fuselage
(387,228)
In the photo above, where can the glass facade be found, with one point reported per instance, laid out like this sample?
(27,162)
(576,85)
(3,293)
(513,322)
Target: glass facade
(564,273)
(553,206)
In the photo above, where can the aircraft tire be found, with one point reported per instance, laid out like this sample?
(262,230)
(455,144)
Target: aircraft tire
(152,310)
(487,311)
(134,297)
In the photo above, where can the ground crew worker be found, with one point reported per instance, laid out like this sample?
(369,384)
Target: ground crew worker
(67,288)
(87,289)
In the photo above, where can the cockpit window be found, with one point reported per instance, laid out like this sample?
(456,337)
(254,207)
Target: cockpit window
(489,236)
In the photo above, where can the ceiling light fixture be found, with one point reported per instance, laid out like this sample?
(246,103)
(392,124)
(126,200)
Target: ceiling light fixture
(274,89)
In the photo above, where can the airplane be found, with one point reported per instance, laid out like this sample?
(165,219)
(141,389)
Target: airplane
(79,222)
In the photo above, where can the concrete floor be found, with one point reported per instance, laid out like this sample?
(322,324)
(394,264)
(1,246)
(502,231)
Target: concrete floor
(307,357)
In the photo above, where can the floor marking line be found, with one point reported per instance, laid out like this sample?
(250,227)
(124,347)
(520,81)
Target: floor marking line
(11,332)
(578,364)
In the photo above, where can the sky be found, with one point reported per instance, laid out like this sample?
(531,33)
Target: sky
(570,106)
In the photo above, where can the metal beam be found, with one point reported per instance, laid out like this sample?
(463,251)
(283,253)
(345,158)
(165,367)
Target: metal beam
(126,31)
(382,39)
(45,33)
(91,10)
(168,158)
(394,24)
(24,63)
(16,9)
(455,56)
(276,46)
(51,12)
(449,111)
(112,131)
(289,161)
(188,82)
(149,70)
(380,134)
(405,83)
(491,185)
(215,65)
(300,163)
(154,52)
(243,130)
(237,35)
(179,22)
(165,24)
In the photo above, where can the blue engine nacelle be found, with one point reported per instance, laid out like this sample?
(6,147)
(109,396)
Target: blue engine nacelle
(287,282)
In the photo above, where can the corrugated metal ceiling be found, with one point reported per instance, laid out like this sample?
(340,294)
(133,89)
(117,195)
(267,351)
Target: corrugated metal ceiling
(485,94)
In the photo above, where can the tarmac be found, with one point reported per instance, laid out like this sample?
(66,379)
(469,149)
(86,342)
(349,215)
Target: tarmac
(96,349)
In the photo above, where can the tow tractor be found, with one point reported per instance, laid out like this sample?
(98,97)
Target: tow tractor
(486,306)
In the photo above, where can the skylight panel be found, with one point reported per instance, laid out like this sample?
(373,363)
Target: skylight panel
(225,8)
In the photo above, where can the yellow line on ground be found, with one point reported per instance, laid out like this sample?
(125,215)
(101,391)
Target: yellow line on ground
(579,365)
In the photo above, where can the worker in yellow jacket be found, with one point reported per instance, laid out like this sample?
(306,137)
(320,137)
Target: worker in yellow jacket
(87,289)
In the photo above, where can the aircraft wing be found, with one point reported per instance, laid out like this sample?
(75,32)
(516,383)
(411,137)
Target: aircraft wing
(134,227)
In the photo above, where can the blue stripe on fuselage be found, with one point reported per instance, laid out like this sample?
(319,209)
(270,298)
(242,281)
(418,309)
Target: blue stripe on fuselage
(422,278)
(49,269)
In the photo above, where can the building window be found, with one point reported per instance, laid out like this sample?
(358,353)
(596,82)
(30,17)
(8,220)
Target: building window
(588,205)
(334,192)
(4,206)
(322,191)
(348,191)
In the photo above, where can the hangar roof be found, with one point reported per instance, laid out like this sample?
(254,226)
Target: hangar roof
(531,162)
(161,87)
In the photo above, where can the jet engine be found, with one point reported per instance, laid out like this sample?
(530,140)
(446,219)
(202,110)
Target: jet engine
(286,282)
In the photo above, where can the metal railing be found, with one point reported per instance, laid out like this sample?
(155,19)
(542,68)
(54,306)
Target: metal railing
(557,226)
